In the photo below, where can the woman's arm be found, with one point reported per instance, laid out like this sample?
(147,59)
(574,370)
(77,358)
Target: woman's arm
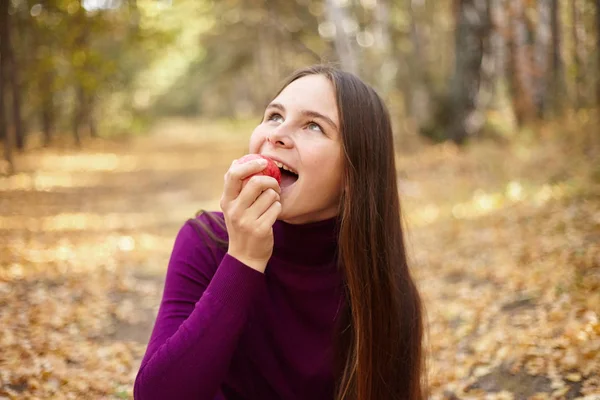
(199,322)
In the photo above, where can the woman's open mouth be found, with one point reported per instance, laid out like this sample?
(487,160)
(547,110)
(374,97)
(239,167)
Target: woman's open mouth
(288,175)
(288,178)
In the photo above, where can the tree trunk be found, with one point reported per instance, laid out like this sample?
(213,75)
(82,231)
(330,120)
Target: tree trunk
(16,98)
(78,114)
(47,106)
(520,65)
(80,111)
(386,74)
(542,50)
(419,102)
(45,83)
(488,70)
(498,37)
(90,117)
(344,46)
(3,112)
(5,132)
(14,78)
(47,123)
(558,78)
(12,83)
(472,33)
(580,53)
(597,51)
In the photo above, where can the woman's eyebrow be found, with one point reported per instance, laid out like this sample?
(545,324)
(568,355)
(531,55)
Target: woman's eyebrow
(276,105)
(308,113)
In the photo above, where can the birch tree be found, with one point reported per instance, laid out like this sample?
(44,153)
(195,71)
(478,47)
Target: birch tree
(498,49)
(6,133)
(344,25)
(520,64)
(557,74)
(598,52)
(542,50)
(384,45)
(472,33)
(420,101)
(579,56)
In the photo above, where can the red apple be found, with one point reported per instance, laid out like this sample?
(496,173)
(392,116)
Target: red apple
(270,170)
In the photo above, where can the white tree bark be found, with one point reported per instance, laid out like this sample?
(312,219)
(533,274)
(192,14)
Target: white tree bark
(543,36)
(498,50)
(472,37)
(344,43)
(580,53)
(383,43)
(420,102)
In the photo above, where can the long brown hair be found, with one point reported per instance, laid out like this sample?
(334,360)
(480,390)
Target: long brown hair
(380,334)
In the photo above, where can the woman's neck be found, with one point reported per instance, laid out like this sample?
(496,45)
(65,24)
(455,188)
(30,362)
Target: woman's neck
(312,243)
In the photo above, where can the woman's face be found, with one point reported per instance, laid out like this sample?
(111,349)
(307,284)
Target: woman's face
(300,129)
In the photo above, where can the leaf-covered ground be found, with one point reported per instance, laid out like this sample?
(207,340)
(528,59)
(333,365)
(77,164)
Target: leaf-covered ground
(504,239)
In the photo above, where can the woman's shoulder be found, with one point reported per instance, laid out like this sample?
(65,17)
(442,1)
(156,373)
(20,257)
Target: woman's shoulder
(210,223)
(207,232)
(199,248)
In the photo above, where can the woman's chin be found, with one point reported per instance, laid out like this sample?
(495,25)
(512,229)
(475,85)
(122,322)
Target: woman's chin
(287,196)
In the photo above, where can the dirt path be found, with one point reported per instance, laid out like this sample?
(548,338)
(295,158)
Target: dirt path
(506,255)
(86,237)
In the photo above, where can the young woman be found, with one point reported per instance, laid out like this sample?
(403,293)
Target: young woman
(298,291)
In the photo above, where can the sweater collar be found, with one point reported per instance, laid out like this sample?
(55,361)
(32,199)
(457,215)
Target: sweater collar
(310,244)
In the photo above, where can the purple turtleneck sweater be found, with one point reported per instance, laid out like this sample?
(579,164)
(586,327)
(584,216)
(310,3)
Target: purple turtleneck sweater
(227,331)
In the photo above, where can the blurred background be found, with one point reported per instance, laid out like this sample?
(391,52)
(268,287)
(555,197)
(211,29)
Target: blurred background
(118,119)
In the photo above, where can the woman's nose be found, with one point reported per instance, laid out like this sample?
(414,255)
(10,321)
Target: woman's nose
(279,138)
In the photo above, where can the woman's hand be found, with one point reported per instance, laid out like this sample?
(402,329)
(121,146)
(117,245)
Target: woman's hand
(250,210)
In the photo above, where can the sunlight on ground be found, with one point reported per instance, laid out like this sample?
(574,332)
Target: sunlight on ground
(482,203)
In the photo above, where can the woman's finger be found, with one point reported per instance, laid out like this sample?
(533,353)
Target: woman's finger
(265,222)
(262,204)
(237,173)
(255,186)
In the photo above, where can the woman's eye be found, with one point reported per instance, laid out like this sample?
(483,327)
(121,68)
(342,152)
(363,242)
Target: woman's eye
(275,117)
(314,127)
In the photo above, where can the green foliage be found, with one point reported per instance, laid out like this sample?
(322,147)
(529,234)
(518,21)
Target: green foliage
(63,48)
(143,59)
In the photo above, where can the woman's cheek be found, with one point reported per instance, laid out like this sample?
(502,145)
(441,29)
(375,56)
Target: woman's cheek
(255,140)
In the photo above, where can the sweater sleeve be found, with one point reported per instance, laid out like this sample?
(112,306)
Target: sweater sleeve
(200,318)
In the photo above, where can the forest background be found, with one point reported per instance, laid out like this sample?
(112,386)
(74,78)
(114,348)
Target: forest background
(118,119)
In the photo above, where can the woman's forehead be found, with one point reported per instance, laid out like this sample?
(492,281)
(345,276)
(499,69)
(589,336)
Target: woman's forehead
(310,93)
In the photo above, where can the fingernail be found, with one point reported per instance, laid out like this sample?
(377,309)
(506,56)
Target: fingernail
(262,162)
